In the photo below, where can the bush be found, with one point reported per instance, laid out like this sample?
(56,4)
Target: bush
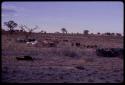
(80,67)
(70,52)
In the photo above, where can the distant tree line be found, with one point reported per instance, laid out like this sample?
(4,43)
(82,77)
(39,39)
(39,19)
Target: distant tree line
(22,28)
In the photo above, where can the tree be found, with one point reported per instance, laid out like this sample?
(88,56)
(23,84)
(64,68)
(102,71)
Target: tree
(108,33)
(77,33)
(22,28)
(86,32)
(64,30)
(98,33)
(92,33)
(30,30)
(112,34)
(118,34)
(11,25)
(42,31)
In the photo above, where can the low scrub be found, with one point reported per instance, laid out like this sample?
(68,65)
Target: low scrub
(70,52)
(80,67)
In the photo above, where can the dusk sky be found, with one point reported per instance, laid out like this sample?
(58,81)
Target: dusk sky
(74,16)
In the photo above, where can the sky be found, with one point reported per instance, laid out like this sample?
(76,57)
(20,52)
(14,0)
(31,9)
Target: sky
(74,16)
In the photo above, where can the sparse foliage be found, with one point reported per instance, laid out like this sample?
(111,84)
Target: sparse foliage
(29,30)
(22,27)
(11,25)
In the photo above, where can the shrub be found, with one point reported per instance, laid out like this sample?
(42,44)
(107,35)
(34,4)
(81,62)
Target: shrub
(80,67)
(70,52)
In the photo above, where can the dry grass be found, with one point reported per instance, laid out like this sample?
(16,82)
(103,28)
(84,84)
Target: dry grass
(70,52)
(61,64)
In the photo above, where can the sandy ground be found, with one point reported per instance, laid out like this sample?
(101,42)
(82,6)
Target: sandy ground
(49,65)
(61,69)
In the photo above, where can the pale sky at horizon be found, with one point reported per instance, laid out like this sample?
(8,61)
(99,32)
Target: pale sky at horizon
(74,16)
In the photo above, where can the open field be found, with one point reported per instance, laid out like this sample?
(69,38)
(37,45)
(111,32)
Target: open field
(61,64)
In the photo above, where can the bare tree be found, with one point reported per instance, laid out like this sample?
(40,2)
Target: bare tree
(22,28)
(29,30)
(11,25)
(64,30)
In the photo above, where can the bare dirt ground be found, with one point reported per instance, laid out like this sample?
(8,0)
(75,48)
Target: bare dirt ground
(50,65)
